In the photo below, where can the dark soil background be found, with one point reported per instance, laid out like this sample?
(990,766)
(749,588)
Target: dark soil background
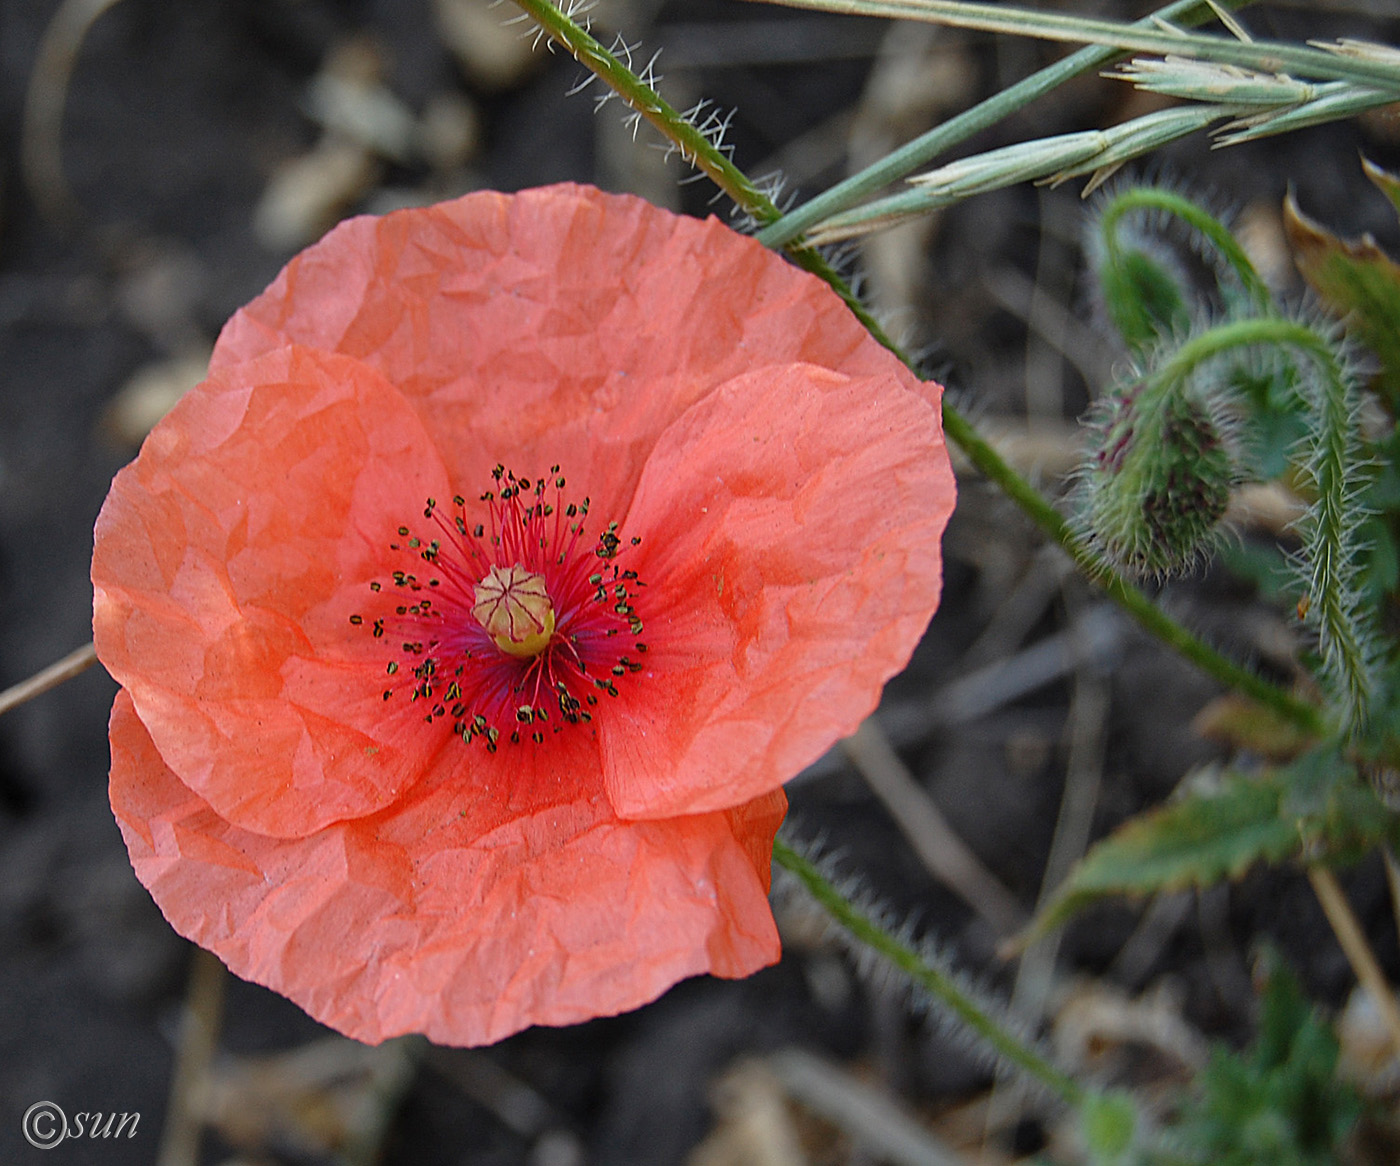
(179,119)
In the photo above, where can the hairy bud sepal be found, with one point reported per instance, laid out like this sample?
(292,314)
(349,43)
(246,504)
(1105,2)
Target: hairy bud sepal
(1143,293)
(1157,477)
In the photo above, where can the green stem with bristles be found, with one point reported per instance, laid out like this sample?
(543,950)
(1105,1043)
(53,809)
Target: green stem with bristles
(1330,530)
(711,161)
(1128,597)
(938,984)
(1156,198)
(693,145)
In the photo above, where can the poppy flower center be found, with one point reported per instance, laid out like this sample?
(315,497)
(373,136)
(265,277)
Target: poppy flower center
(513,605)
(514,625)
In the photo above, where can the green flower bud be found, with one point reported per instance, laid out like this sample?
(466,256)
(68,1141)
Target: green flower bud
(1157,478)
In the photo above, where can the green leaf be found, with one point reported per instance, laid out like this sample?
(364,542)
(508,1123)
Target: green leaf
(1109,1122)
(1316,806)
(1193,842)
(1279,1103)
(1357,281)
(1144,299)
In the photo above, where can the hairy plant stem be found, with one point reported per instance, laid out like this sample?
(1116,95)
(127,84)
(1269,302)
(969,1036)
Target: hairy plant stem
(702,152)
(1128,597)
(1330,529)
(938,984)
(694,147)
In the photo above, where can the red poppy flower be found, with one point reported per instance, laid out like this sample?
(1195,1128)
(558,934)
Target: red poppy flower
(431,744)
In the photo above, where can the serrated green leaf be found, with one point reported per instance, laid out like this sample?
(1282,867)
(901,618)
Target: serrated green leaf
(1354,822)
(1193,842)
(1316,806)
(1356,280)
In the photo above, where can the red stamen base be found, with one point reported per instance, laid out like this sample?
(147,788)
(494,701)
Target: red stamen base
(447,659)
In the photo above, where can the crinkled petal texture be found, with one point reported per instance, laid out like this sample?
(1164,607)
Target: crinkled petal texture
(789,485)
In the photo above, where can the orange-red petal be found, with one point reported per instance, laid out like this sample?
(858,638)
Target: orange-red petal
(449,915)
(588,321)
(790,526)
(227,562)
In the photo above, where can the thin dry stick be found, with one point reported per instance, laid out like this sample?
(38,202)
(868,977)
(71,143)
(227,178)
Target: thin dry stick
(41,151)
(394,1070)
(1358,951)
(946,855)
(1392,879)
(199,1037)
(874,1120)
(1083,779)
(51,677)
(1035,978)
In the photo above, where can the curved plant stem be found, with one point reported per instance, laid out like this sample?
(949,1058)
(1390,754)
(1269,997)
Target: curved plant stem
(1128,597)
(713,162)
(1156,198)
(1330,528)
(41,134)
(937,983)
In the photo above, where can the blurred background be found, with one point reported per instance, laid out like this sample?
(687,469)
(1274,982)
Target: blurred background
(159,162)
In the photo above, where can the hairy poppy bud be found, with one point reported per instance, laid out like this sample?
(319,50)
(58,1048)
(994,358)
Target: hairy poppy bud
(1157,477)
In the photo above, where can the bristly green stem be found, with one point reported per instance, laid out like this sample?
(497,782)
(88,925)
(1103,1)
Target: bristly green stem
(694,147)
(1157,198)
(643,99)
(1128,597)
(937,983)
(957,129)
(1331,542)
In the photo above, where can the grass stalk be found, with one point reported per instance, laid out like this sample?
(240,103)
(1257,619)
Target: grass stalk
(957,129)
(1350,62)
